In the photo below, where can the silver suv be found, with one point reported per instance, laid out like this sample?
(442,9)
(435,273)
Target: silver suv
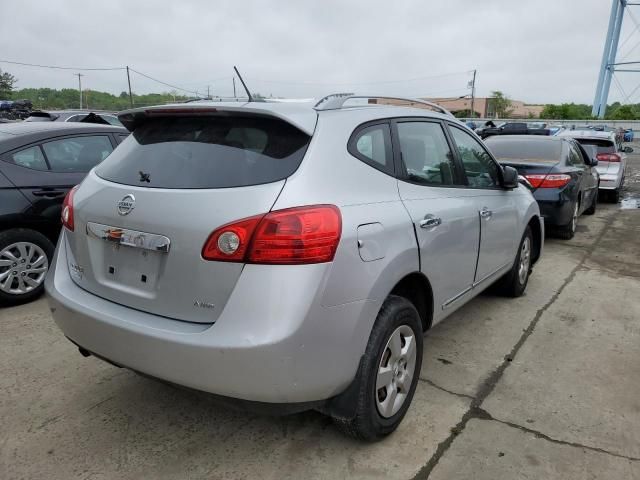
(289,255)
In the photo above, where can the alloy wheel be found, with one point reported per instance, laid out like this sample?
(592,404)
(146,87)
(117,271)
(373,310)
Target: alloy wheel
(23,266)
(395,371)
(525,260)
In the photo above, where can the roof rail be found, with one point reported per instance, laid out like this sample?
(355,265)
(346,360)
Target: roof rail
(336,101)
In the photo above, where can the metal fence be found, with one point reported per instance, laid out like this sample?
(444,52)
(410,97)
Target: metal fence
(634,124)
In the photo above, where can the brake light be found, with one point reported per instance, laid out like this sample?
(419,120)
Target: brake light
(293,236)
(548,181)
(67,209)
(608,157)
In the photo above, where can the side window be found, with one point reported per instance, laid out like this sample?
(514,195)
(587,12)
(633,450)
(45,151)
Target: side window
(479,167)
(575,158)
(372,145)
(29,157)
(426,155)
(77,154)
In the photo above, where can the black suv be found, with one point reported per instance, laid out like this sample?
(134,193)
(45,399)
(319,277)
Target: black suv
(39,164)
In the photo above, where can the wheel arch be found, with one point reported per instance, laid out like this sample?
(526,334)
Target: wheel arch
(536,232)
(416,288)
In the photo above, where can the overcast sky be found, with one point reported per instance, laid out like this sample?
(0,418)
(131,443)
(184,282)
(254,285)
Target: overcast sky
(539,51)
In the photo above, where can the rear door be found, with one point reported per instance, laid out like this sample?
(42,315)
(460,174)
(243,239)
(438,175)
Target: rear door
(581,173)
(143,217)
(494,206)
(45,171)
(446,223)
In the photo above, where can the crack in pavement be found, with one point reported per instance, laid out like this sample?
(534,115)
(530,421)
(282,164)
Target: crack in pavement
(487,387)
(484,415)
(435,385)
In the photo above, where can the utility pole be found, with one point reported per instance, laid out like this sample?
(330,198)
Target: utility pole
(80,87)
(129,82)
(473,94)
(234,86)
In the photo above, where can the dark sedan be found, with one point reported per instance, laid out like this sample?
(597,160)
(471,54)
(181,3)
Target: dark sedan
(561,172)
(39,164)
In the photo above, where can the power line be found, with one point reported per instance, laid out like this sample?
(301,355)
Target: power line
(164,83)
(58,68)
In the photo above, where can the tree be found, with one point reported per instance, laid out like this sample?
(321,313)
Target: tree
(6,84)
(623,112)
(501,104)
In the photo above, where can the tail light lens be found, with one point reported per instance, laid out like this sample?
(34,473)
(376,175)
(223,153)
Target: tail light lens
(293,236)
(608,157)
(548,181)
(67,209)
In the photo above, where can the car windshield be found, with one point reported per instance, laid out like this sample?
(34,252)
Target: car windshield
(533,151)
(603,146)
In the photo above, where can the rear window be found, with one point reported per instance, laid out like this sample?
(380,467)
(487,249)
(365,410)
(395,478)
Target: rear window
(532,151)
(603,146)
(206,152)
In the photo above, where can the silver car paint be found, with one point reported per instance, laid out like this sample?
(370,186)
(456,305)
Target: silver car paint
(286,333)
(611,173)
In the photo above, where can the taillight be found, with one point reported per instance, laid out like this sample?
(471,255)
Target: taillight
(67,209)
(292,236)
(548,181)
(608,157)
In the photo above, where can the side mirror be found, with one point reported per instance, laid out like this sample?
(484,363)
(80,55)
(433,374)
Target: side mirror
(509,177)
(593,161)
(628,150)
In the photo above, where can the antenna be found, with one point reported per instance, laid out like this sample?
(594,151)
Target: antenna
(243,84)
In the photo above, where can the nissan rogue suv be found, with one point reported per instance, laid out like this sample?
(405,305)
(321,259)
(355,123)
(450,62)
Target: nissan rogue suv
(288,255)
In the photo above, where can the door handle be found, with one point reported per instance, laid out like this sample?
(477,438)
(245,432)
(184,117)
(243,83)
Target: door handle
(48,193)
(486,213)
(430,221)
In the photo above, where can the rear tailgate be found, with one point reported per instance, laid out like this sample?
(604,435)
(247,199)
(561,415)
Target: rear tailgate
(142,218)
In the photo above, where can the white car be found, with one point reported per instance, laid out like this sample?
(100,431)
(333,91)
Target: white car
(612,158)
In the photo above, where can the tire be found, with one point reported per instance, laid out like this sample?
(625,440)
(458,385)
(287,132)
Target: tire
(376,413)
(594,205)
(615,196)
(24,254)
(514,283)
(566,232)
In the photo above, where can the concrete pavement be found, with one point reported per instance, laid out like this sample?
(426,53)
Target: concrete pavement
(544,386)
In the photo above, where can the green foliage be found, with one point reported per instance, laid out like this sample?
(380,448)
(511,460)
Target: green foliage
(463,113)
(501,104)
(566,111)
(623,112)
(68,98)
(7,81)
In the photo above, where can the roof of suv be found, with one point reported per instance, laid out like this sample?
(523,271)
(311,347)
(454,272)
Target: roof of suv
(592,134)
(303,115)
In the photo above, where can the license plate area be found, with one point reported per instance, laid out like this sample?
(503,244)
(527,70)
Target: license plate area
(127,260)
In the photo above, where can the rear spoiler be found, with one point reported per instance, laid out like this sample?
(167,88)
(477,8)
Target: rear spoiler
(132,119)
(41,114)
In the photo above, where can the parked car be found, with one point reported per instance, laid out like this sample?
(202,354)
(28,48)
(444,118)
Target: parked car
(39,163)
(562,174)
(612,159)
(74,116)
(512,128)
(284,254)
(628,135)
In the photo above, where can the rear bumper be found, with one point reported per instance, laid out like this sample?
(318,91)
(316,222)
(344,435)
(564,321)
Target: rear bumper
(274,342)
(610,182)
(555,207)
